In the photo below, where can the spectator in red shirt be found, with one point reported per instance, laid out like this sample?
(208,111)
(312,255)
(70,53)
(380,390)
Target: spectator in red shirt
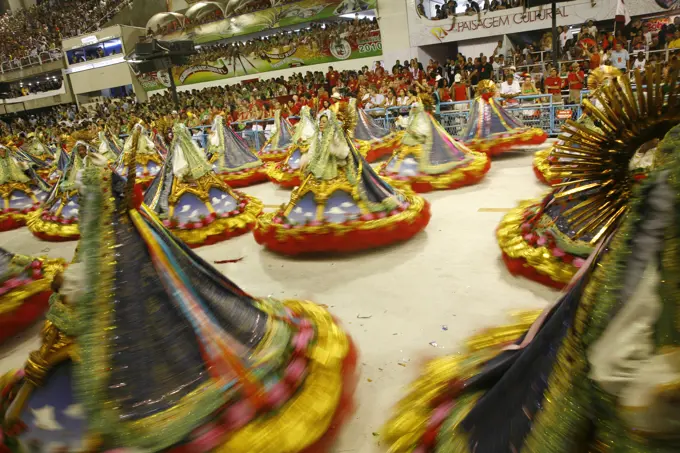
(575,80)
(379,70)
(554,84)
(332,77)
(459,89)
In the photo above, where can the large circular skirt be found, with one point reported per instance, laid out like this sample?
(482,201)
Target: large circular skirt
(496,144)
(308,420)
(215,229)
(350,236)
(453,179)
(244,178)
(524,257)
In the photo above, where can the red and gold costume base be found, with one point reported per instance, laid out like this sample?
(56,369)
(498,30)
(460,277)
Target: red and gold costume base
(24,298)
(527,254)
(541,167)
(366,232)
(244,178)
(493,146)
(376,150)
(19,201)
(57,222)
(218,227)
(287,173)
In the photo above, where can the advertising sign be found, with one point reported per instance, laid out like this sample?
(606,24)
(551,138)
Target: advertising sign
(274,59)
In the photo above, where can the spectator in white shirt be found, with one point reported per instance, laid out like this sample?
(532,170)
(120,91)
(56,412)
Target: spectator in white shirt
(640,62)
(619,57)
(563,36)
(592,29)
(510,88)
(377,99)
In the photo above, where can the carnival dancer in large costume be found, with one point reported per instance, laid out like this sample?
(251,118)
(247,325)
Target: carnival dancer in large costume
(430,159)
(21,195)
(536,240)
(599,370)
(108,147)
(57,218)
(24,290)
(34,147)
(187,362)
(276,146)
(193,202)
(373,141)
(288,172)
(231,158)
(342,205)
(491,129)
(542,158)
(149,160)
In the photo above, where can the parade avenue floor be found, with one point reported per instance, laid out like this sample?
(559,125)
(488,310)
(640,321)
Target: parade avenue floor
(401,305)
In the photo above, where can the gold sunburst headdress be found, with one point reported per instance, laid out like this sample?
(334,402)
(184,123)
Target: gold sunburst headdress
(346,115)
(598,168)
(486,87)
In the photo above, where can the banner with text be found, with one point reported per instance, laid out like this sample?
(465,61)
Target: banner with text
(295,13)
(272,60)
(425,31)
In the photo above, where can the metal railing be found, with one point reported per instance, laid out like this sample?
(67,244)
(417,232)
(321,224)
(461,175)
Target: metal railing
(534,111)
(31,60)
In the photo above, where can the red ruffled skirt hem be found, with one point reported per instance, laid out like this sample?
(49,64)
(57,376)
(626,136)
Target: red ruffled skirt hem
(287,180)
(299,242)
(235,180)
(469,179)
(31,309)
(505,145)
(519,266)
(9,222)
(378,152)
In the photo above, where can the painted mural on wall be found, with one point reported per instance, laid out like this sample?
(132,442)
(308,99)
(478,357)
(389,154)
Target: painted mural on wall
(424,31)
(293,56)
(281,16)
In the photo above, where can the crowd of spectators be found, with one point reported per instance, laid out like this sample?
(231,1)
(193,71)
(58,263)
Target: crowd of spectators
(450,8)
(40,28)
(521,74)
(317,36)
(216,14)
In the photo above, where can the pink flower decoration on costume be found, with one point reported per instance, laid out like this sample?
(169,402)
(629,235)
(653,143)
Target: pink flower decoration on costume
(558,252)
(578,262)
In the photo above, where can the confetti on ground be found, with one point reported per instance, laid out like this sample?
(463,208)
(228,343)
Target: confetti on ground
(228,261)
(375,434)
(364,317)
(369,380)
(433,344)
(401,364)
(445,327)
